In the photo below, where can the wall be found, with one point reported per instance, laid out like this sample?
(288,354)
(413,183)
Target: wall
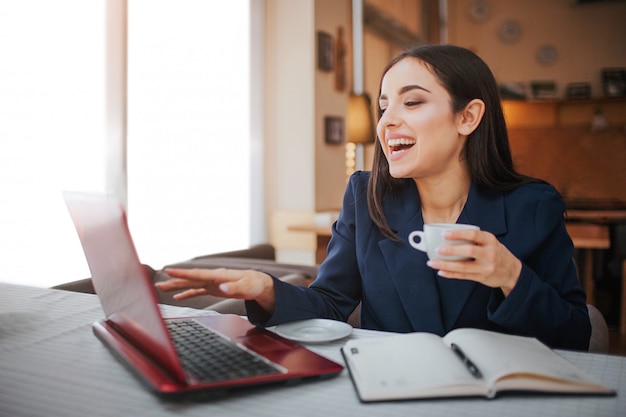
(305,175)
(379,51)
(587,169)
(289,124)
(406,12)
(330,15)
(553,139)
(587,38)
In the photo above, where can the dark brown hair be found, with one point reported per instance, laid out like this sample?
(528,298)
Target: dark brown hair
(466,77)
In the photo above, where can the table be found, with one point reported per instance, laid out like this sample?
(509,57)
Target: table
(51,364)
(597,216)
(596,236)
(587,237)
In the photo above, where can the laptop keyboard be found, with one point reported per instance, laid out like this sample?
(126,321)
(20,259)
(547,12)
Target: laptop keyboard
(209,357)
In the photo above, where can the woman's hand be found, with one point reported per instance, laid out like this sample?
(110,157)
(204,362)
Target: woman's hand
(491,263)
(230,283)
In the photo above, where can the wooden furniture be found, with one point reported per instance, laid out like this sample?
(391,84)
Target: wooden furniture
(322,235)
(622,314)
(590,231)
(562,113)
(587,237)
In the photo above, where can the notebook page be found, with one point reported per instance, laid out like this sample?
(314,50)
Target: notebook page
(497,355)
(410,365)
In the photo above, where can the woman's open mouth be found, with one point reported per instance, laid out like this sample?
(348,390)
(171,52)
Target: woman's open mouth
(400,145)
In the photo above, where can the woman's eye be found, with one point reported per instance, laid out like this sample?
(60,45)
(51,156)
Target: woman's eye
(413,103)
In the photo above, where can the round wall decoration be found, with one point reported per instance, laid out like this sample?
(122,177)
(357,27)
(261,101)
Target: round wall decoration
(546,54)
(510,31)
(479,11)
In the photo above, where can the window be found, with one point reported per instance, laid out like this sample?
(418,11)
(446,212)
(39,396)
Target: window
(188,127)
(188,143)
(51,130)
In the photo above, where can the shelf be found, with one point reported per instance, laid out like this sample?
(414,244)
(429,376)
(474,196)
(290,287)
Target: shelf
(549,113)
(574,101)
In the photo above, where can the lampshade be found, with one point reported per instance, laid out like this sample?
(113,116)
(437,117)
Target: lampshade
(359,122)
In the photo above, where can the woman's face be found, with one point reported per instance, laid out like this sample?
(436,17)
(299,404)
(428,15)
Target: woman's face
(417,130)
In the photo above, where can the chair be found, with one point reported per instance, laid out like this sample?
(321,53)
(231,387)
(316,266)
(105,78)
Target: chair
(599,341)
(619,244)
(259,257)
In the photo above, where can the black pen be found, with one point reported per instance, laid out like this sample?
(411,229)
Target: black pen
(468,363)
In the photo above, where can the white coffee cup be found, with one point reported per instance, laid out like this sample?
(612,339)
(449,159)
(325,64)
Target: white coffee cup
(432,238)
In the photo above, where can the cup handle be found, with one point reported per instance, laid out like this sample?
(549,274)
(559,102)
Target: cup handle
(421,245)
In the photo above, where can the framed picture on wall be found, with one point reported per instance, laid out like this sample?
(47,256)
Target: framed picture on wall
(543,89)
(614,82)
(333,130)
(578,91)
(325,51)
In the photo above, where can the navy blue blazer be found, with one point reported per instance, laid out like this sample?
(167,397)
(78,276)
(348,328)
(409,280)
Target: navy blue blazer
(398,292)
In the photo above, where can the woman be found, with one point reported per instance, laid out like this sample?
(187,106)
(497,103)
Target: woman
(442,157)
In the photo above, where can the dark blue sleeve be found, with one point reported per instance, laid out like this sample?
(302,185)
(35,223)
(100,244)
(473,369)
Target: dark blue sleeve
(547,302)
(336,291)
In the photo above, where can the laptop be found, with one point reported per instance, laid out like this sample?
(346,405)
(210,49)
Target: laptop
(137,334)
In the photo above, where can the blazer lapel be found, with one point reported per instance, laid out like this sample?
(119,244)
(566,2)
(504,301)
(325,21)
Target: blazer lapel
(434,304)
(414,281)
(415,285)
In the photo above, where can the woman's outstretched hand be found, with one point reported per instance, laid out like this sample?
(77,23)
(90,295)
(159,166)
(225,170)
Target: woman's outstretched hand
(229,283)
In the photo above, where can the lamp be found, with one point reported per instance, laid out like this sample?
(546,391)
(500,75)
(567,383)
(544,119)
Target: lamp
(359,126)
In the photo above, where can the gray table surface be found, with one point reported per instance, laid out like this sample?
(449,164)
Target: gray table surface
(51,364)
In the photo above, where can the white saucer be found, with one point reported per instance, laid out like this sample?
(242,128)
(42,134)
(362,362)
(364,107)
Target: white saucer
(314,330)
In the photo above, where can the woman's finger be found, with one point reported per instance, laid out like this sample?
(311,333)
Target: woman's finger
(203,274)
(174,284)
(194,292)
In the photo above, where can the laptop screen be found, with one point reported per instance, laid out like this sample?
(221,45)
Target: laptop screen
(125,290)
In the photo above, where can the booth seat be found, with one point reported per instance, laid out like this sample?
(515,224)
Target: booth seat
(258,257)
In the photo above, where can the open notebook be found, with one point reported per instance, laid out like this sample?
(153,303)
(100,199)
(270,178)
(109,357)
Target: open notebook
(465,362)
(199,356)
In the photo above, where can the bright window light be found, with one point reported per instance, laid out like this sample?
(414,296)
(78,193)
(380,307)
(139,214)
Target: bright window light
(188,127)
(51,133)
(188,130)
